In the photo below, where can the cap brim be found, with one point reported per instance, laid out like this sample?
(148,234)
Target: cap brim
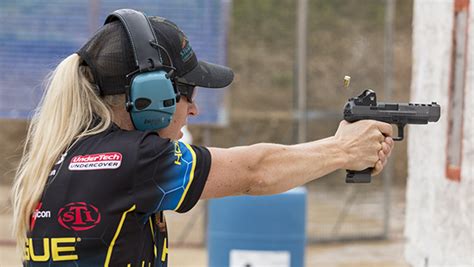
(208,75)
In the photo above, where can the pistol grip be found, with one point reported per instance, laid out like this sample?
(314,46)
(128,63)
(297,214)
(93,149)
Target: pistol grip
(359,176)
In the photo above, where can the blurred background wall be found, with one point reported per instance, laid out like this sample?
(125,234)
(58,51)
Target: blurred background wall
(440,196)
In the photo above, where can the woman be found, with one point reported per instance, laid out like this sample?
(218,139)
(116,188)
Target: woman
(91,188)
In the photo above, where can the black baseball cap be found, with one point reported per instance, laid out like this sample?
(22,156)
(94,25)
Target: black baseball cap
(110,57)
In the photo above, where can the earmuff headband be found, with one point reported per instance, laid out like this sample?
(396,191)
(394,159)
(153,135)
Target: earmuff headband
(146,56)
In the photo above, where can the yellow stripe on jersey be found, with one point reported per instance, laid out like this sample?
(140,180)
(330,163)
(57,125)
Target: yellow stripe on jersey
(165,251)
(119,228)
(153,236)
(191,175)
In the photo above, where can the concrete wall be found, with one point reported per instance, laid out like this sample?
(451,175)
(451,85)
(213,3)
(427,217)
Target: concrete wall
(440,213)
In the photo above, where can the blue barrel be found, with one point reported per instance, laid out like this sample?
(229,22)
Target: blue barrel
(258,230)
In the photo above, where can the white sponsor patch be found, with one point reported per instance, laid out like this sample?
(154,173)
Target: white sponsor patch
(102,161)
(41,214)
(259,258)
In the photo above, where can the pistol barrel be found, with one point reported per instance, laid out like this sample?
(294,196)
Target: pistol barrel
(393,113)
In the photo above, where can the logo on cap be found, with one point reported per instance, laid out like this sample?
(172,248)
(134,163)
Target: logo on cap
(186,51)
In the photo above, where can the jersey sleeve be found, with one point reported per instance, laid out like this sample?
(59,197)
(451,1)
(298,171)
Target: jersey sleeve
(170,175)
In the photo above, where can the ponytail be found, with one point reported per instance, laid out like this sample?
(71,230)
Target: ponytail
(67,112)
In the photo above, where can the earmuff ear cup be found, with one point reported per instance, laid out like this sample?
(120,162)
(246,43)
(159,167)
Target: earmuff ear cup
(153,100)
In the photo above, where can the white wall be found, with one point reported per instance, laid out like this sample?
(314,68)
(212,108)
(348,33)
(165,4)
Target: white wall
(439,225)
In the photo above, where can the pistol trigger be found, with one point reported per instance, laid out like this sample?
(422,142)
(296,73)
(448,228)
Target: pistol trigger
(400,132)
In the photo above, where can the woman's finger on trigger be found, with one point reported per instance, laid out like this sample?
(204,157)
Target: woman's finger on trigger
(386,148)
(382,157)
(377,168)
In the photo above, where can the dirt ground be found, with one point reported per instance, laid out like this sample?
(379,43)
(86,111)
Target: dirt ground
(187,249)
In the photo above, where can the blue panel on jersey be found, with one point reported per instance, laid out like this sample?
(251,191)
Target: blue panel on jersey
(171,199)
(177,177)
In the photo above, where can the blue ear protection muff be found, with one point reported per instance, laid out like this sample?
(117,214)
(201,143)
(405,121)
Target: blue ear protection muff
(151,96)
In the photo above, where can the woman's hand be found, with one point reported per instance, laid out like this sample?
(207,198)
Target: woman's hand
(366,144)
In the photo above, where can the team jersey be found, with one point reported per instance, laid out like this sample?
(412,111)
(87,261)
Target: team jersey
(103,202)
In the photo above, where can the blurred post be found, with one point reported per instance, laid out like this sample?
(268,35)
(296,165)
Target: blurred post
(94,14)
(388,87)
(302,25)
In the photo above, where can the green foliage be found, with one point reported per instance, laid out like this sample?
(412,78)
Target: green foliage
(264,21)
(328,14)
(282,80)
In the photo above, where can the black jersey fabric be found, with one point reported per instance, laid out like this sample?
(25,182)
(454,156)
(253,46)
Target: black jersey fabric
(104,200)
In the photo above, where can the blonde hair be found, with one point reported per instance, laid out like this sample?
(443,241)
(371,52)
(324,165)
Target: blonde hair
(67,112)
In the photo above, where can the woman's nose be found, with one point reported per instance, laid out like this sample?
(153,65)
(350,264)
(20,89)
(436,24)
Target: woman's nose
(193,109)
